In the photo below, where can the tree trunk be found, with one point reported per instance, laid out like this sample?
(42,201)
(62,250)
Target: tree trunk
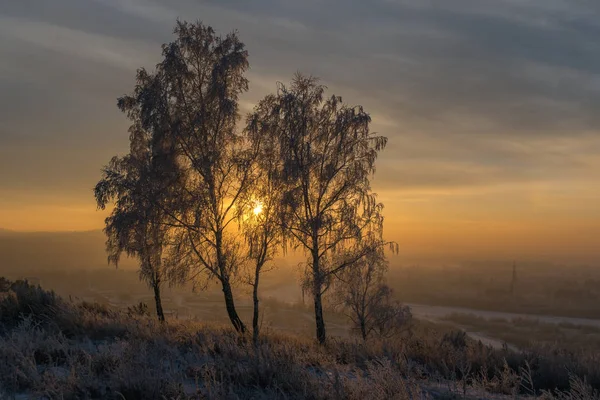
(363,329)
(255,329)
(317,293)
(319,315)
(159,309)
(226,285)
(230,305)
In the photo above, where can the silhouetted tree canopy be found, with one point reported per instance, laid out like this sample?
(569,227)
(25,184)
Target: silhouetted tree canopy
(193,180)
(138,185)
(368,301)
(260,209)
(327,156)
(190,104)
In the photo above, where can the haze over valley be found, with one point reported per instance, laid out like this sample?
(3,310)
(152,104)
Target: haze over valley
(387,199)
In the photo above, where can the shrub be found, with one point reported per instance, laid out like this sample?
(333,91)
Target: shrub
(139,310)
(24,300)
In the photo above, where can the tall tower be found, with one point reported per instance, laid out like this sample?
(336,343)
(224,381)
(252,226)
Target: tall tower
(513,281)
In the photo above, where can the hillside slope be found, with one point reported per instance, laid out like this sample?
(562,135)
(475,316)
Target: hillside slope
(51,348)
(46,251)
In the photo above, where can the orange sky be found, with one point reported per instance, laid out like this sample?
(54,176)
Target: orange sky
(494,135)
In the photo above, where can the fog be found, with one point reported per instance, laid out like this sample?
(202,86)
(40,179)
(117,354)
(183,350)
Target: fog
(73,263)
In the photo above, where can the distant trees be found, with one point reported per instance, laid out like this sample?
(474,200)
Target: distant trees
(327,157)
(196,199)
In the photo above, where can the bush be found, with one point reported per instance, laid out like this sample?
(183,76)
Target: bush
(22,300)
(139,310)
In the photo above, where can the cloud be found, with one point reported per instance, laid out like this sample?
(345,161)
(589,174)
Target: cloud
(473,94)
(144,9)
(103,49)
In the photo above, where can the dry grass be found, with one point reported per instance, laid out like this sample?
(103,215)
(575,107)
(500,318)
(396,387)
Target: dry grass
(53,349)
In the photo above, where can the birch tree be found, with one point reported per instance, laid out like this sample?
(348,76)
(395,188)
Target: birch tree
(362,291)
(260,210)
(189,104)
(328,156)
(137,184)
(202,76)
(368,301)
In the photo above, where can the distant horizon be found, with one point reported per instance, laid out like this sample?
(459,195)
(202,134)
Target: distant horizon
(405,259)
(490,108)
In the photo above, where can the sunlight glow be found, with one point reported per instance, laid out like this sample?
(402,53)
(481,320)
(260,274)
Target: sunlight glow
(258,208)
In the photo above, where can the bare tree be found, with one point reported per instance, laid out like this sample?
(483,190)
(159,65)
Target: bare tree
(259,210)
(327,158)
(137,183)
(388,316)
(362,292)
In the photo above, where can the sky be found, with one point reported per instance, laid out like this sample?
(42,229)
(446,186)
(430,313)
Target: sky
(490,108)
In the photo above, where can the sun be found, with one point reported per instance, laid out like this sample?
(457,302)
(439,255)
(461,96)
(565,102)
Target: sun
(258,208)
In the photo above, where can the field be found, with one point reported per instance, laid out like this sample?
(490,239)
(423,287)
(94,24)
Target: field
(284,310)
(55,348)
(529,332)
(435,358)
(541,288)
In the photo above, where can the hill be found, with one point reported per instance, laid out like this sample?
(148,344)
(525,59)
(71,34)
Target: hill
(46,251)
(51,348)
